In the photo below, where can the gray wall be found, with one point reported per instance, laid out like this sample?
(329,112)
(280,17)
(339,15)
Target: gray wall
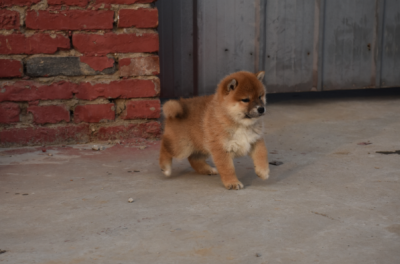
(303,45)
(176,47)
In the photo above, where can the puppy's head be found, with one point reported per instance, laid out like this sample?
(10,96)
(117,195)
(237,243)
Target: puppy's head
(244,96)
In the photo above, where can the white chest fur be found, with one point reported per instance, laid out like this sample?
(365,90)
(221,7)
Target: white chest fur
(242,138)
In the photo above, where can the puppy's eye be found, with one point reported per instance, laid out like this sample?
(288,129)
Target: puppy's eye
(246,100)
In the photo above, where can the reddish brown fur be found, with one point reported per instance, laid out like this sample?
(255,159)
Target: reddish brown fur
(216,125)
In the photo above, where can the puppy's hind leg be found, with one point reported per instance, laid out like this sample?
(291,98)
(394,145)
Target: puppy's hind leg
(165,159)
(199,164)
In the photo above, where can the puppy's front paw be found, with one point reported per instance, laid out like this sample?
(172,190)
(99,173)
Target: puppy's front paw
(234,185)
(263,173)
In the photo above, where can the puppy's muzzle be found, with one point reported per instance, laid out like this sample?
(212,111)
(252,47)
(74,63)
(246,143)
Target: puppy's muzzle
(256,112)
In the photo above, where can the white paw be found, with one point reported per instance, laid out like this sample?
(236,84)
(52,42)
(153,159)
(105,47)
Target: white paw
(213,171)
(232,147)
(233,185)
(263,174)
(167,171)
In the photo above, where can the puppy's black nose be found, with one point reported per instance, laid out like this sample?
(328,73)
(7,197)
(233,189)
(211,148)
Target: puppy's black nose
(261,110)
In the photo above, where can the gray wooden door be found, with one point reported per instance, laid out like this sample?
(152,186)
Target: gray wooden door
(303,45)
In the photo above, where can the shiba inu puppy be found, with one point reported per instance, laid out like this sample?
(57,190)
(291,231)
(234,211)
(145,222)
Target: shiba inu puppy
(224,125)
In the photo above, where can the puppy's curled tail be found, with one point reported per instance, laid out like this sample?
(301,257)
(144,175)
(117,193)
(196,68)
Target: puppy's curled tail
(172,109)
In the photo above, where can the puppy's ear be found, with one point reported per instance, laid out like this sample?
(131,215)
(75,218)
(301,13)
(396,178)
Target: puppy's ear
(260,75)
(232,85)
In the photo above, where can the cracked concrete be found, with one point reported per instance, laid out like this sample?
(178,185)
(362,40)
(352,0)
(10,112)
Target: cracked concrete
(331,201)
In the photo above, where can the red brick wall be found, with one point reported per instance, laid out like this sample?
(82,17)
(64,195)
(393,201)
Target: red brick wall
(74,71)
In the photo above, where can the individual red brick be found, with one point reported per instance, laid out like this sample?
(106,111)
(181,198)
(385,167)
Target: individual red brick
(144,130)
(9,113)
(4,3)
(31,91)
(37,43)
(94,113)
(9,19)
(140,18)
(81,3)
(97,63)
(142,109)
(124,2)
(139,66)
(45,135)
(49,114)
(92,44)
(10,68)
(69,20)
(118,89)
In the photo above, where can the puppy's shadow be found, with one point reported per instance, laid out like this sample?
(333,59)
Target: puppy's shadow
(246,173)
(181,172)
(182,169)
(248,177)
(244,170)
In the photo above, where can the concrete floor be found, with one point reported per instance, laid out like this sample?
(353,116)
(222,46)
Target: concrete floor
(331,201)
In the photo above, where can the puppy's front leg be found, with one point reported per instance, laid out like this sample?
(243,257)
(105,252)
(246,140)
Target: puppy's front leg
(224,163)
(259,155)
